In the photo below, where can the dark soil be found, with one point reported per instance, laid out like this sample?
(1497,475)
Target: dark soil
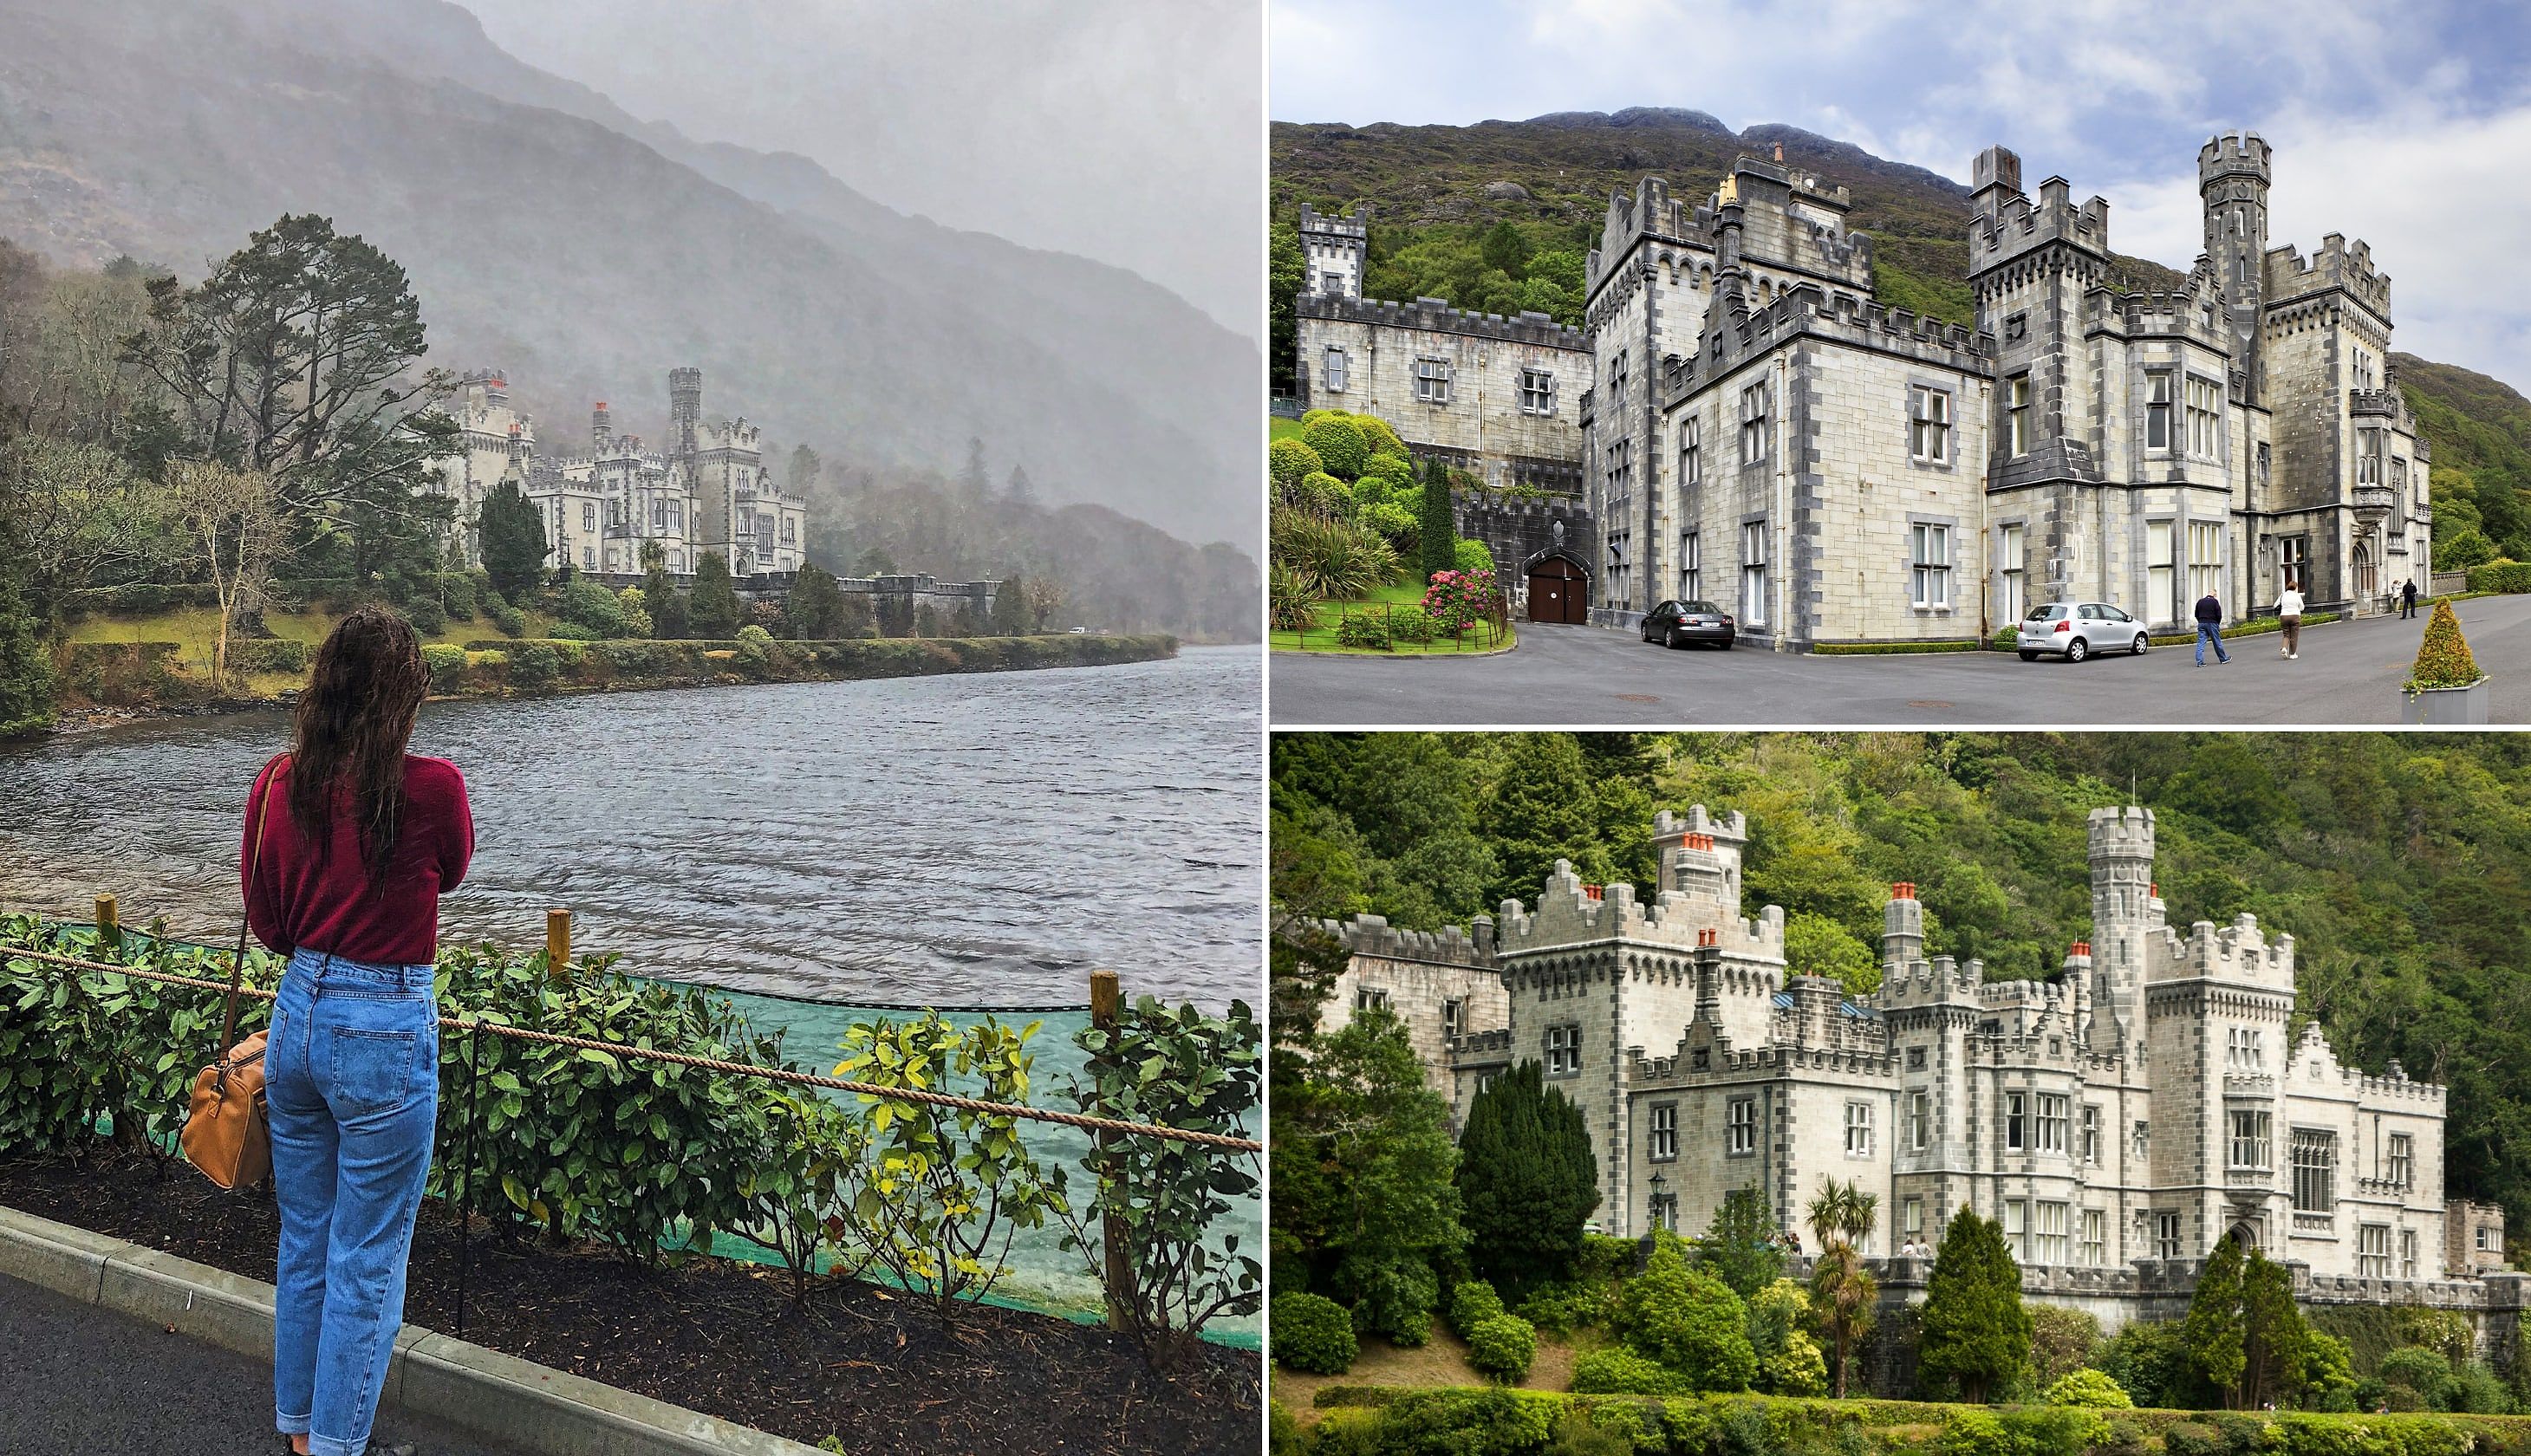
(873,1368)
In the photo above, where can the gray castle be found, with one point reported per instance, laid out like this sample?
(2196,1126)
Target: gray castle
(1740,420)
(2117,1119)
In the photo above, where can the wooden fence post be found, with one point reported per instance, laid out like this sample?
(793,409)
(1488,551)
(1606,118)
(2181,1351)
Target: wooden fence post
(1106,1002)
(109,924)
(557,943)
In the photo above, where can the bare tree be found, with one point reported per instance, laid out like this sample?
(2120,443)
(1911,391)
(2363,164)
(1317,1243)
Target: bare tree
(234,518)
(83,518)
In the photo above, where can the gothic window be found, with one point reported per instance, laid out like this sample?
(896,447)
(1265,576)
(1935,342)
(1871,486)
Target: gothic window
(1911,1219)
(1663,1141)
(1858,1130)
(1617,376)
(1563,1051)
(2486,1238)
(2016,1122)
(1665,1211)
(658,515)
(1621,470)
(2016,414)
(1740,1127)
(2205,418)
(2052,1123)
(1536,392)
(1752,424)
(1929,425)
(2016,1228)
(1691,567)
(2249,1140)
(1433,381)
(1920,1114)
(1691,463)
(2368,457)
(2157,409)
(1335,370)
(2373,1251)
(2315,1171)
(1753,574)
(2363,369)
(588,558)
(1930,549)
(1454,1015)
(589,515)
(2289,561)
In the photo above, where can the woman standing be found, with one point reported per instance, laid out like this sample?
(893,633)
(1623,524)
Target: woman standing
(348,885)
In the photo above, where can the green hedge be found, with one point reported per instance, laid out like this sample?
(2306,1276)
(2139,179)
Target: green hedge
(269,655)
(1882,649)
(2501,575)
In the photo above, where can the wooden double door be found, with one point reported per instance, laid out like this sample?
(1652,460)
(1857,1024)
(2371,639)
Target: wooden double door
(1558,591)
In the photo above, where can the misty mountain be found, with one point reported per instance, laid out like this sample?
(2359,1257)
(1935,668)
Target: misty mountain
(587,253)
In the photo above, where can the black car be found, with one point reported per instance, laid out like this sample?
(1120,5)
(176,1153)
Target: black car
(1675,624)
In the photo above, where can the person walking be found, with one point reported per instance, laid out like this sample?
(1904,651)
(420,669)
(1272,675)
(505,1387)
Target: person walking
(2290,612)
(2407,599)
(2210,629)
(347,884)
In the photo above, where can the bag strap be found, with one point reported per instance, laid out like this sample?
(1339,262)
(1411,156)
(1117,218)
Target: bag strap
(246,912)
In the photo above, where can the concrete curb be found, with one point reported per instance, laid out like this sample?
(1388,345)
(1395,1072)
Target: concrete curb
(485,1392)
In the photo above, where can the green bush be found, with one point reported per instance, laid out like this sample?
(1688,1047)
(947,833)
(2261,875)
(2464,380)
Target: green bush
(1394,1299)
(1337,560)
(1361,630)
(2089,1388)
(1310,1333)
(1288,460)
(447,665)
(1471,1302)
(269,655)
(1561,1307)
(2425,1373)
(1690,1322)
(1409,624)
(509,619)
(2443,659)
(1380,437)
(1473,555)
(1502,1346)
(1395,526)
(1342,449)
(586,603)
(427,617)
(1618,1370)
(535,666)
(2189,1438)
(2501,575)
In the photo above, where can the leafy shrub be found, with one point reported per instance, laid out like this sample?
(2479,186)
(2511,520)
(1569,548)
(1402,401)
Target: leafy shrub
(565,631)
(1473,557)
(1322,494)
(1381,439)
(2189,1438)
(1689,1320)
(1393,1299)
(535,666)
(1340,444)
(1338,560)
(2062,1340)
(1408,624)
(2088,1389)
(1176,1068)
(1561,1307)
(269,655)
(2149,1363)
(2478,1390)
(1395,526)
(2496,576)
(1289,598)
(587,602)
(428,616)
(637,612)
(447,665)
(1288,460)
(1455,599)
(1471,1302)
(2425,1373)
(1502,1346)
(461,594)
(1797,1366)
(511,621)
(2443,657)
(1311,1334)
(1618,1370)
(755,644)
(952,1186)
(1363,630)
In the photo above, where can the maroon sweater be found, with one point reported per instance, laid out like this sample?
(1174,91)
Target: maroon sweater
(290,902)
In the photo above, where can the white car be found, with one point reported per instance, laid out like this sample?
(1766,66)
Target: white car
(2075,630)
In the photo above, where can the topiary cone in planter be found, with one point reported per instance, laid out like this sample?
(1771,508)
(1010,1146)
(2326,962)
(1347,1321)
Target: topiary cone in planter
(2445,685)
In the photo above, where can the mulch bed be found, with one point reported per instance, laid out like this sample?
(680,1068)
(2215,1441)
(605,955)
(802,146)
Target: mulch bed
(873,1368)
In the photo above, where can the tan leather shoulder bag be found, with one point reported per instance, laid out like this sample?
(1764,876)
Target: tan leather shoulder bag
(226,1135)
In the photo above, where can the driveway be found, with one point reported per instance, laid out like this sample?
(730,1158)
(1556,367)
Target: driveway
(2348,674)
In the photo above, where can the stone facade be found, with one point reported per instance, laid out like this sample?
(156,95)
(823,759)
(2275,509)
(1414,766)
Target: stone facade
(1755,429)
(2117,1119)
(710,491)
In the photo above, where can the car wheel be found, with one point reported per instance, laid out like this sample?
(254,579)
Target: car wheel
(2141,642)
(1727,644)
(2030,656)
(2077,649)
(1669,637)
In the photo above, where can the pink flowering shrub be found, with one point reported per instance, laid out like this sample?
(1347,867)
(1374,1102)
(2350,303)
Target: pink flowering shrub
(1456,598)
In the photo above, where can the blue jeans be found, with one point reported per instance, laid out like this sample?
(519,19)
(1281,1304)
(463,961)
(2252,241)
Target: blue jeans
(2211,632)
(352,1074)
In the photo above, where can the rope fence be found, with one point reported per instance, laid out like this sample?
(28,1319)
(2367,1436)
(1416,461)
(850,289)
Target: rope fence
(714,1064)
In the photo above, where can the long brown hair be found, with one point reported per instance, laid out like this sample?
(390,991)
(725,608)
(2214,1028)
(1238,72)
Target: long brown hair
(350,730)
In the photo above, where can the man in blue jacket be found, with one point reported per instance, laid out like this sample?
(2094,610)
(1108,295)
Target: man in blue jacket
(2210,629)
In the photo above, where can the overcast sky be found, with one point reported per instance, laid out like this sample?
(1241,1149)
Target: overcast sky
(1127,131)
(2405,124)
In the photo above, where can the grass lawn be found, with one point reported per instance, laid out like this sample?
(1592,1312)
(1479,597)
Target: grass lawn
(1280,428)
(194,627)
(1323,638)
(1440,1364)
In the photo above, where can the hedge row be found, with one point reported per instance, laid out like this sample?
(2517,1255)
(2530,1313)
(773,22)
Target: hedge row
(1879,649)
(537,665)
(2501,575)
(1369,1421)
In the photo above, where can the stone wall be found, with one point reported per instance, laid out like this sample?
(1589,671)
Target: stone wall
(1482,426)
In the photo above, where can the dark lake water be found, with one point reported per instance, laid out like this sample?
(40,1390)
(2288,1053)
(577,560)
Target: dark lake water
(973,839)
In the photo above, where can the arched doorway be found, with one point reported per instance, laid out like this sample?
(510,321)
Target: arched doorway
(2365,585)
(1559,590)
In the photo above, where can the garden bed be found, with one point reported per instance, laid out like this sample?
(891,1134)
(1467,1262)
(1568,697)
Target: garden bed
(870,1366)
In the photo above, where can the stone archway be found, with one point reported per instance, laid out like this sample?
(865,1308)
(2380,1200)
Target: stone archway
(1559,588)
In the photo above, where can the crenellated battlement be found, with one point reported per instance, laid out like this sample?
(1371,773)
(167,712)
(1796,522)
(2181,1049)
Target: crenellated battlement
(2236,154)
(2337,266)
(1438,315)
(2004,224)
(2120,833)
(2236,951)
(1374,936)
(1354,225)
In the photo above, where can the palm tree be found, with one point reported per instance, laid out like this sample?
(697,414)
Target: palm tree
(1862,1214)
(1842,1291)
(1826,1214)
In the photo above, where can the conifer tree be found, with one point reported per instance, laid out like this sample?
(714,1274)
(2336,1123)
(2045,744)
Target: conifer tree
(1976,1332)
(514,547)
(1436,533)
(1527,1181)
(712,605)
(1010,607)
(2211,1333)
(816,603)
(666,603)
(2274,1341)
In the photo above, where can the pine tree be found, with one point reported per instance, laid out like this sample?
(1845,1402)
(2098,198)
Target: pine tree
(1976,1332)
(816,603)
(2274,1341)
(666,603)
(712,605)
(1527,1180)
(974,483)
(514,545)
(1010,607)
(1436,531)
(2211,1333)
(1021,493)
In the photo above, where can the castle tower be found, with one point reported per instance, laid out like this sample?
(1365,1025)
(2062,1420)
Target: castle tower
(2122,912)
(2232,177)
(685,411)
(1336,249)
(601,427)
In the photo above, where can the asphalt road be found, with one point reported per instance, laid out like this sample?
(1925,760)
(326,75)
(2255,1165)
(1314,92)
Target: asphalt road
(2347,674)
(80,1380)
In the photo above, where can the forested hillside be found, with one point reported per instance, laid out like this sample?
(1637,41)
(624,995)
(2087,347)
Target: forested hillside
(1497,216)
(2401,864)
